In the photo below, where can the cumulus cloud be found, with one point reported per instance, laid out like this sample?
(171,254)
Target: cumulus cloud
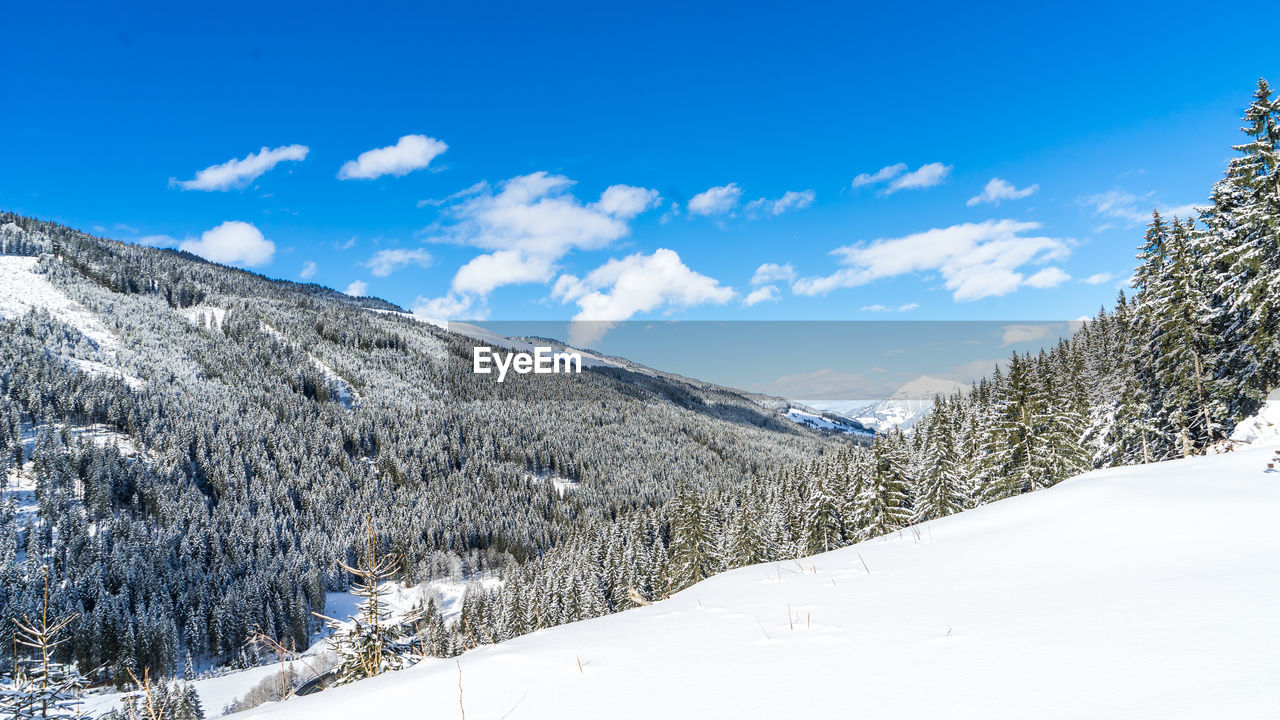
(1133,210)
(357,288)
(625,201)
(768,293)
(897,177)
(975,260)
(1049,277)
(388,261)
(236,173)
(308,270)
(770,272)
(232,243)
(926,176)
(1097,278)
(998,190)
(528,225)
(411,152)
(715,201)
(790,200)
(637,283)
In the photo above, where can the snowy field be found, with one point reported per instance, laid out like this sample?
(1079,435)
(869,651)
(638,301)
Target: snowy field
(1124,593)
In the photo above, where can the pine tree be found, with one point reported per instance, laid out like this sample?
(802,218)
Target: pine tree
(940,488)
(45,688)
(369,643)
(1241,242)
(824,513)
(692,540)
(882,506)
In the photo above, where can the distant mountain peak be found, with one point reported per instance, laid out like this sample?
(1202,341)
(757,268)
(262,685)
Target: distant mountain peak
(907,404)
(925,387)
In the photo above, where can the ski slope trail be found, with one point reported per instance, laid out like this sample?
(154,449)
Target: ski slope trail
(1123,593)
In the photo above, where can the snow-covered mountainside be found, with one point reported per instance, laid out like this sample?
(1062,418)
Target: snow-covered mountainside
(826,420)
(908,404)
(1122,593)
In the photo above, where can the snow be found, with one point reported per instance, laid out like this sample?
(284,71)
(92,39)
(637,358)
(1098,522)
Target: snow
(1122,593)
(220,691)
(342,390)
(270,331)
(22,290)
(215,692)
(824,422)
(907,405)
(98,433)
(1263,427)
(96,368)
(208,317)
(562,485)
(400,600)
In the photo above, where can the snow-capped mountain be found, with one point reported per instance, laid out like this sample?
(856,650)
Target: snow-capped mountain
(1005,611)
(908,404)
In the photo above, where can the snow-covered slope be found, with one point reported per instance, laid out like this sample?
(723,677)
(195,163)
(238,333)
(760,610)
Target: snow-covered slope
(907,405)
(22,289)
(1263,427)
(1145,592)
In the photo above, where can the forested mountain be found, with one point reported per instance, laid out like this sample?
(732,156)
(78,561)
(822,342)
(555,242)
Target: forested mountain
(192,449)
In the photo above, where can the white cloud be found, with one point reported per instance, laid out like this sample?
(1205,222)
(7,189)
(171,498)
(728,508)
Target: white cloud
(388,261)
(232,243)
(625,201)
(1049,277)
(411,152)
(886,308)
(885,173)
(238,173)
(308,270)
(715,201)
(769,272)
(790,200)
(528,225)
(446,308)
(357,288)
(1134,210)
(484,273)
(926,176)
(637,283)
(768,293)
(1097,278)
(976,260)
(1024,333)
(998,190)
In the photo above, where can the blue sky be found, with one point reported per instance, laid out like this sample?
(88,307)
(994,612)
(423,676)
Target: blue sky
(596,161)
